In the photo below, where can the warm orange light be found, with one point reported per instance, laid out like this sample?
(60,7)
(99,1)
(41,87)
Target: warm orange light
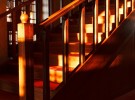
(59,75)
(21,35)
(102,13)
(103,28)
(73,60)
(112,19)
(121,10)
(60,60)
(129,4)
(89,28)
(99,37)
(101,19)
(22,77)
(52,74)
(56,74)
(86,37)
(110,26)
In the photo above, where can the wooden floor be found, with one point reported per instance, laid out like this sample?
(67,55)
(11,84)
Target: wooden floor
(8,96)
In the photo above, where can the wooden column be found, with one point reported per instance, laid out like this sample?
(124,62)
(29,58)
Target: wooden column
(26,77)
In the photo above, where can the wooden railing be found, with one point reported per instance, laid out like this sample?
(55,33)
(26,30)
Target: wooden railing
(16,8)
(64,13)
(12,26)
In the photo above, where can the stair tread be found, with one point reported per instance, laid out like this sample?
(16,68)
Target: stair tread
(39,84)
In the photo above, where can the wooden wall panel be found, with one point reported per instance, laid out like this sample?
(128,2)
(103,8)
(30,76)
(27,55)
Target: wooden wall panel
(3,33)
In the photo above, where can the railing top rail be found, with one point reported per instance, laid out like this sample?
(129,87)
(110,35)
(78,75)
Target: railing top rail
(16,8)
(61,12)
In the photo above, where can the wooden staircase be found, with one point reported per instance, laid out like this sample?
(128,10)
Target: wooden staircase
(9,81)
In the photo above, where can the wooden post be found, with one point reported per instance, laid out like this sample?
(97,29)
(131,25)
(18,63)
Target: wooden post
(26,77)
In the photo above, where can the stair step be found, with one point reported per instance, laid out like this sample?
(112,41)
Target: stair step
(55,37)
(89,28)
(56,73)
(56,59)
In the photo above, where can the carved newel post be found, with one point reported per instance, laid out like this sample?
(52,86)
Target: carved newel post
(25,41)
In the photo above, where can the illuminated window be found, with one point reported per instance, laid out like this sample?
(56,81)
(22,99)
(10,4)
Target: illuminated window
(33,12)
(10,5)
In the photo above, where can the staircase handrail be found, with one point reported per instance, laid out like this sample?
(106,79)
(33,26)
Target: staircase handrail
(52,18)
(16,8)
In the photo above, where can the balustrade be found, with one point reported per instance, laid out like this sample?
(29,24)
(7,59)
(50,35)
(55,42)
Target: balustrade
(86,21)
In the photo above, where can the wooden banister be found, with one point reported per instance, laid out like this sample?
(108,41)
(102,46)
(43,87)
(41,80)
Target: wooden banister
(16,8)
(61,12)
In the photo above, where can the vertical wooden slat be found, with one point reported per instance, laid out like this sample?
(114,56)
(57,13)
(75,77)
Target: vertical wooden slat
(107,18)
(39,11)
(65,48)
(29,67)
(95,23)
(125,9)
(117,13)
(46,81)
(82,35)
(50,7)
(133,4)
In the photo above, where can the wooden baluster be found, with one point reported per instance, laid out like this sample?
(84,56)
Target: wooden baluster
(26,78)
(95,23)
(14,23)
(117,13)
(107,15)
(133,4)
(125,9)
(82,35)
(45,50)
(65,48)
